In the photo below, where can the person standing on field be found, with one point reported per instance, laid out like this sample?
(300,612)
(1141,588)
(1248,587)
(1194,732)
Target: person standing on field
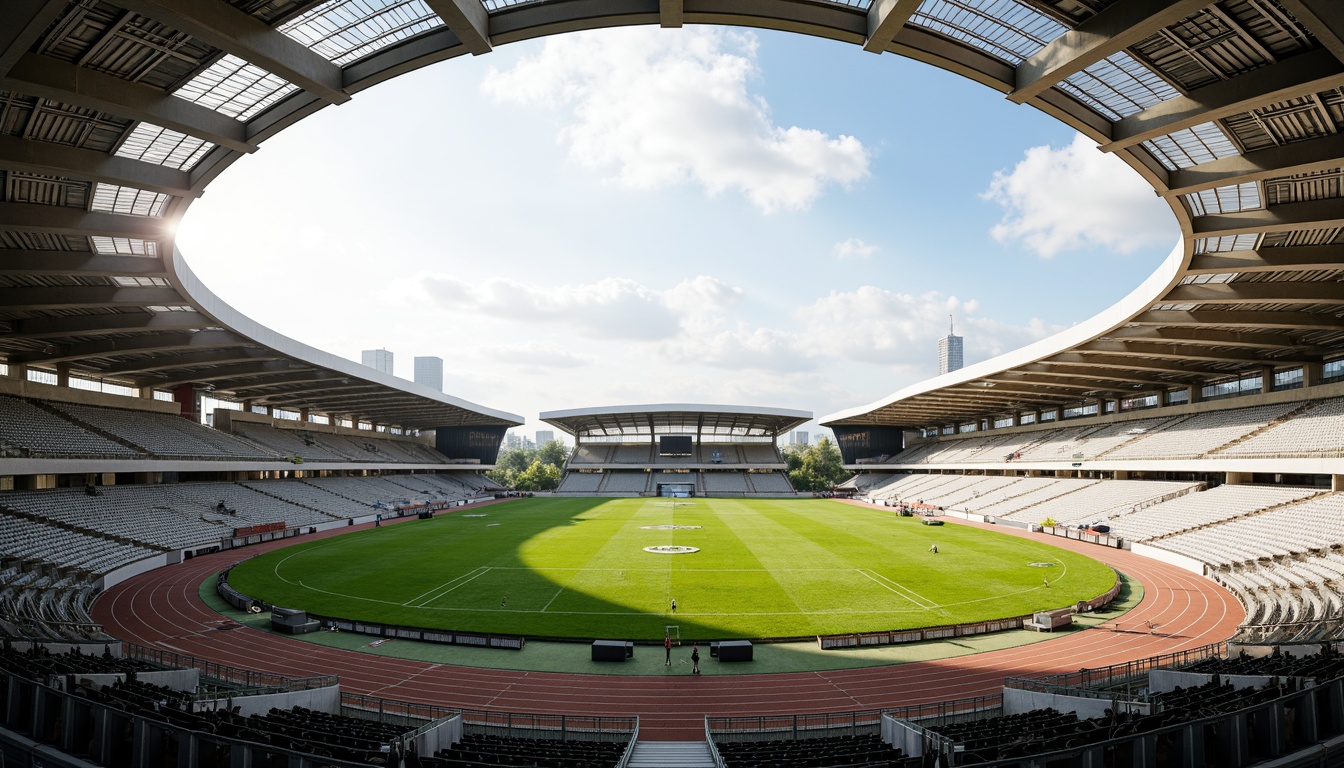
(667,644)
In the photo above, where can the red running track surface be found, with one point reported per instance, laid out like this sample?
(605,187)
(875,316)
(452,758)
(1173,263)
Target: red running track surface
(162,608)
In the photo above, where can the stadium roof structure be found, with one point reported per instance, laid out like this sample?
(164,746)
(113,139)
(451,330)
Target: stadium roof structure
(677,418)
(116,114)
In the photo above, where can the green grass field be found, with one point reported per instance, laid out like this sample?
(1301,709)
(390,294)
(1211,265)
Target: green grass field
(565,567)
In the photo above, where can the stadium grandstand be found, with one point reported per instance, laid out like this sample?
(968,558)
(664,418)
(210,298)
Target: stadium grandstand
(1192,430)
(676,450)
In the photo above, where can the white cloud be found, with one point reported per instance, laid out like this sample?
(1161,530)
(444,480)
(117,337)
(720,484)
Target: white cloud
(853,248)
(653,108)
(1057,200)
(612,308)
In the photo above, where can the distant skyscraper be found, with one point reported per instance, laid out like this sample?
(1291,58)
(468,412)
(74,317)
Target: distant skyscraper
(377,359)
(513,440)
(429,371)
(949,350)
(544,436)
(798,437)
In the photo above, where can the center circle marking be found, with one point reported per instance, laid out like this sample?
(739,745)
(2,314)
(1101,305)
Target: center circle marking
(668,549)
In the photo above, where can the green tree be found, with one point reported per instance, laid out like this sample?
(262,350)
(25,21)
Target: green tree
(819,466)
(554,453)
(538,477)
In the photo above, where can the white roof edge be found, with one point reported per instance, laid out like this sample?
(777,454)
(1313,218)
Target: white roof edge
(195,290)
(1148,293)
(611,410)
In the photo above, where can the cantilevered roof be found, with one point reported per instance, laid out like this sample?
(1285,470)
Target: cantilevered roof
(116,114)
(717,421)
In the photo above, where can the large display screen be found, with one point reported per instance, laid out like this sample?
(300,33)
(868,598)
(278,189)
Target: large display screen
(674,445)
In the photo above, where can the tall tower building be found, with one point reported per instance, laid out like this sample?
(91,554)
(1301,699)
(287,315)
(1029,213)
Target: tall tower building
(377,359)
(545,436)
(429,372)
(949,350)
(798,437)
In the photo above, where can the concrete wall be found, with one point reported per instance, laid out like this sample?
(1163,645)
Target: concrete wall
(321,699)
(1169,557)
(125,572)
(1167,680)
(1016,701)
(178,679)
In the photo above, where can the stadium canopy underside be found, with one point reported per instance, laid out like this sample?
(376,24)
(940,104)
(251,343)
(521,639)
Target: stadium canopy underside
(636,423)
(115,115)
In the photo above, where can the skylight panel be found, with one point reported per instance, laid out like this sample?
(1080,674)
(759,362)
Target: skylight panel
(1218,279)
(1007,29)
(138,281)
(235,88)
(154,144)
(1191,146)
(1226,243)
(109,198)
(1229,199)
(343,31)
(124,246)
(1120,84)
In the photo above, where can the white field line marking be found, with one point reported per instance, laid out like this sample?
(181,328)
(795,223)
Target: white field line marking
(446,587)
(906,592)
(552,600)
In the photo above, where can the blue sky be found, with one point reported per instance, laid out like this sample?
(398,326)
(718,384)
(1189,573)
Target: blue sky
(697,215)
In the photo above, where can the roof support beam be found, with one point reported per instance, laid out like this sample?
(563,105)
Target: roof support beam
(1325,19)
(468,20)
(671,13)
(1115,28)
(1301,157)
(49,159)
(1289,321)
(885,20)
(1302,75)
(50,78)
(25,21)
(1256,293)
(100,325)
(1304,258)
(232,31)
(236,370)
(1177,352)
(194,361)
(1190,335)
(85,297)
(1082,371)
(1288,217)
(1133,365)
(57,220)
(141,344)
(24,262)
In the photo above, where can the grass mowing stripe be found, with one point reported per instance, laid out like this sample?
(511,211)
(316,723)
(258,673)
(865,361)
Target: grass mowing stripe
(908,594)
(447,587)
(574,567)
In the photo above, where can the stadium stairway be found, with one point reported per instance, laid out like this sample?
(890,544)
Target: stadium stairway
(671,754)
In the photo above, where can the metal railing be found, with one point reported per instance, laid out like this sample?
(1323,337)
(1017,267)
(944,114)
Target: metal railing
(249,680)
(1087,682)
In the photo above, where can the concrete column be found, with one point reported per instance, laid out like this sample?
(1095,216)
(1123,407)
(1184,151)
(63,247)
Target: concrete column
(1101,406)
(1336,483)
(1017,419)
(1266,379)
(303,415)
(1195,393)
(62,374)
(1311,374)
(146,393)
(1059,415)
(188,401)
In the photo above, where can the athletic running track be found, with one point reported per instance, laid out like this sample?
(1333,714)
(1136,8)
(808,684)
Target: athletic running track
(162,608)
